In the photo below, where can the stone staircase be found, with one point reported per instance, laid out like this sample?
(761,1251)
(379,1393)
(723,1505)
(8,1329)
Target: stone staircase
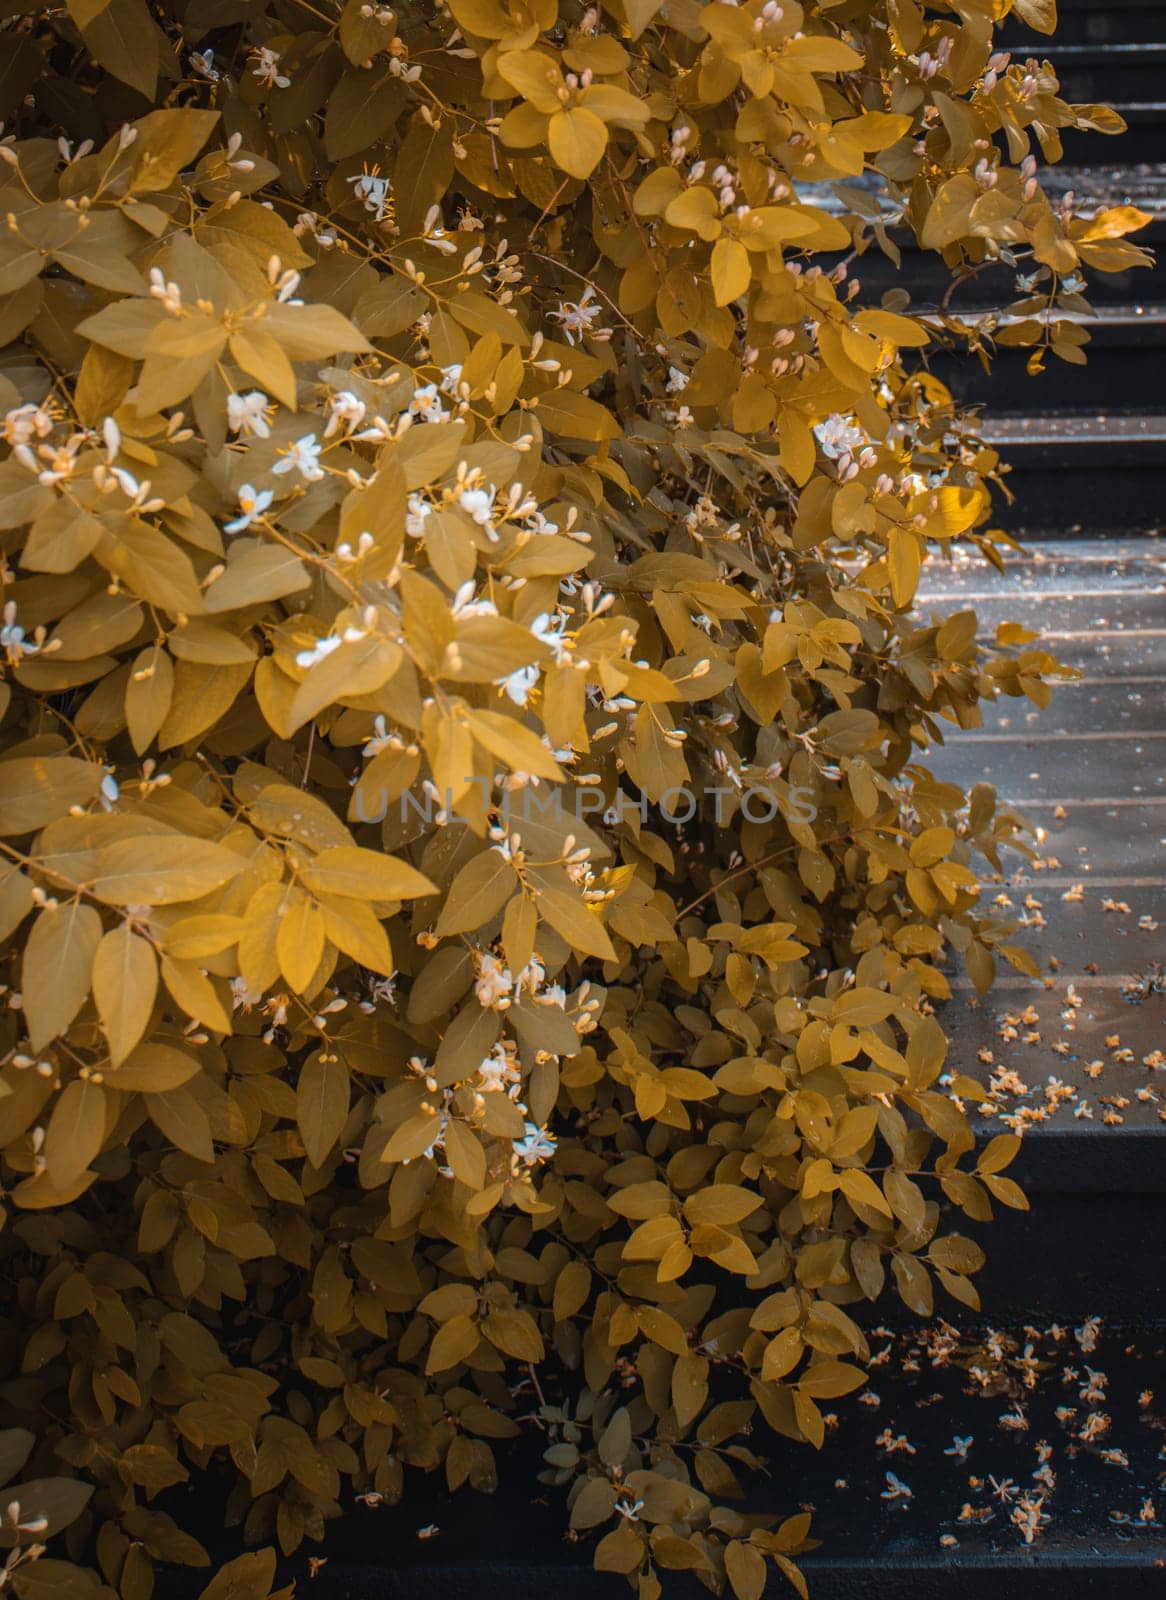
(1087,445)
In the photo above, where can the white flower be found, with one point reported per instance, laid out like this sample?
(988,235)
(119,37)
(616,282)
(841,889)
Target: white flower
(536,1145)
(374,191)
(426,404)
(549,630)
(677,380)
(203,62)
(266,68)
(25,423)
(464,604)
(253,503)
(479,504)
(12,639)
(247,413)
(450,378)
(498,1071)
(519,684)
(839,436)
(576,317)
(347,411)
(419,511)
(494,984)
(302,457)
(382,739)
(532,976)
(109,791)
(321,649)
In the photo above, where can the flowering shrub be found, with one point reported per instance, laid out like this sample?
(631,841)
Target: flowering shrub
(473,893)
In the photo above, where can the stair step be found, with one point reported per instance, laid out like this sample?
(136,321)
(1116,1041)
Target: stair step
(1104,73)
(1090,772)
(1063,475)
(1095,603)
(1144,139)
(1078,710)
(1023,1408)
(1039,572)
(1084,22)
(1122,370)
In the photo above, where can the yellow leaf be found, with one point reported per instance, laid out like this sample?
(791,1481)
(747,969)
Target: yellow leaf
(35,790)
(299,941)
(1115,221)
(731,272)
(365,875)
(181,1119)
(57,969)
(160,870)
(577,140)
(321,1105)
(464,1152)
(148,695)
(536,76)
(125,984)
(76,1131)
(206,934)
(580,927)
(356,667)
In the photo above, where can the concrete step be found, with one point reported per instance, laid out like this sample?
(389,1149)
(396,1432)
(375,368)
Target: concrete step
(969,1470)
(1144,139)
(1086,473)
(1091,774)
(1109,72)
(1125,353)
(1120,22)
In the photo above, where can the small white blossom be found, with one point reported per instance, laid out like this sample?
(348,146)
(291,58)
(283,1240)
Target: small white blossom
(518,685)
(536,1145)
(266,68)
(426,404)
(495,984)
(347,411)
(319,651)
(577,318)
(302,457)
(479,504)
(253,503)
(550,630)
(12,638)
(464,604)
(838,436)
(203,63)
(248,413)
(374,190)
(417,514)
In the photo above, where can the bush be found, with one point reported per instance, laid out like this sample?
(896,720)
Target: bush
(473,899)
